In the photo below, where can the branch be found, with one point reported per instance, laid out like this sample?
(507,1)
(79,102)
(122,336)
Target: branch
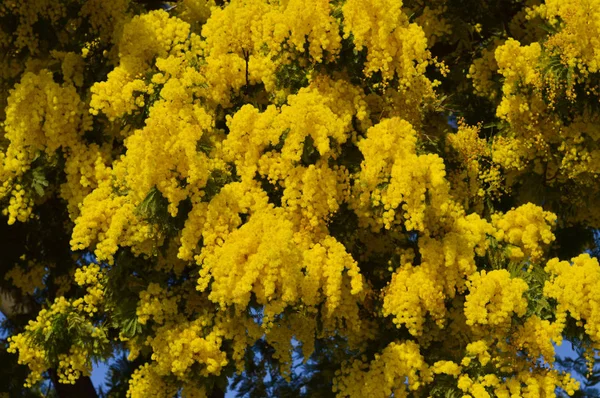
(10,306)
(247,59)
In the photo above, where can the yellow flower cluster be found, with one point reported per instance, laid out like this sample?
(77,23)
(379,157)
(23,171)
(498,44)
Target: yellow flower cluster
(173,158)
(195,11)
(493,298)
(145,37)
(176,347)
(574,285)
(324,265)
(28,278)
(186,349)
(478,178)
(411,295)
(446,367)
(145,382)
(74,364)
(278,201)
(403,52)
(172,166)
(45,121)
(321,114)
(70,365)
(536,383)
(398,369)
(72,67)
(519,66)
(577,36)
(536,336)
(515,63)
(446,262)
(119,95)
(348,319)
(544,72)
(90,276)
(85,168)
(30,355)
(477,349)
(266,258)
(249,39)
(527,228)
(580,150)
(213,222)
(467,143)
(111,219)
(482,71)
(432,19)
(311,194)
(512,153)
(395,179)
(41,118)
(312,113)
(156,304)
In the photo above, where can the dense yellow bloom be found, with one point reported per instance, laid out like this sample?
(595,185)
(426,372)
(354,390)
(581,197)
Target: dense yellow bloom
(311,22)
(74,364)
(41,118)
(478,178)
(542,71)
(385,374)
(480,350)
(408,179)
(494,297)
(517,62)
(404,49)
(115,97)
(172,160)
(446,367)
(527,227)
(411,295)
(245,41)
(575,286)
(287,175)
(155,303)
(111,216)
(536,383)
(146,382)
(512,153)
(177,347)
(265,257)
(144,38)
(578,36)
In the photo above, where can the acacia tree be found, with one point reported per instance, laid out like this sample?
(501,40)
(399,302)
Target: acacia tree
(362,198)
